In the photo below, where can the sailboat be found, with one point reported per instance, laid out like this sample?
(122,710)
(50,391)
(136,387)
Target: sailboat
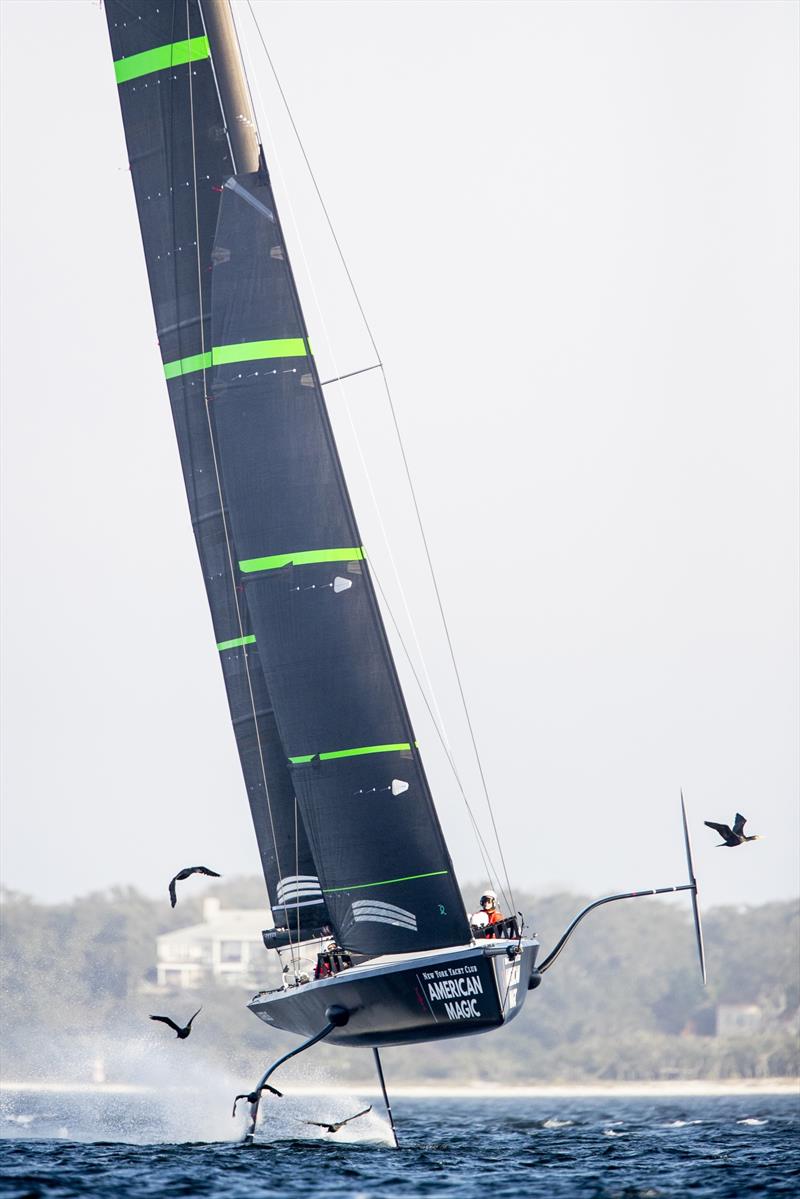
(375,942)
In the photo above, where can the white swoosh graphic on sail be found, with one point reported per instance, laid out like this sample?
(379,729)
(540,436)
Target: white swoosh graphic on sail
(375,912)
(299,891)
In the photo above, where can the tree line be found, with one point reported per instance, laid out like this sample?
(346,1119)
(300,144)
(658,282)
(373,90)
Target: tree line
(624,1000)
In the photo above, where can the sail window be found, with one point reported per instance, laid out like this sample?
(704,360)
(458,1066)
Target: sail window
(242,192)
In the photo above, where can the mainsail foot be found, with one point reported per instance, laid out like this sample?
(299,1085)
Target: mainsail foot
(337,1017)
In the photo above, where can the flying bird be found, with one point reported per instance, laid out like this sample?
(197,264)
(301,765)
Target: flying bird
(254,1096)
(732,836)
(182,1033)
(182,874)
(341,1123)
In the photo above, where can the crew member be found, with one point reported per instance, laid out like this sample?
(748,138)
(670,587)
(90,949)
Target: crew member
(489,906)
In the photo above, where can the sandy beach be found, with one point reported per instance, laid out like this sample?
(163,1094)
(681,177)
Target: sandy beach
(647,1088)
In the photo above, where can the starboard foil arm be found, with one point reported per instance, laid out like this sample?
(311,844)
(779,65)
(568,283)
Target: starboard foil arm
(337,1017)
(691,886)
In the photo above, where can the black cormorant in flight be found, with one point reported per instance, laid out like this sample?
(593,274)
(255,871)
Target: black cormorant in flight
(732,836)
(182,874)
(254,1096)
(182,1033)
(339,1124)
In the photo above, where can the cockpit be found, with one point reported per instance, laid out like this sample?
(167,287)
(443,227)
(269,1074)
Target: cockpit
(483,930)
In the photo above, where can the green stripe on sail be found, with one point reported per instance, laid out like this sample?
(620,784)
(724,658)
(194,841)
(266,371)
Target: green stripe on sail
(184,366)
(245,351)
(352,553)
(250,351)
(352,753)
(235,642)
(385,882)
(174,54)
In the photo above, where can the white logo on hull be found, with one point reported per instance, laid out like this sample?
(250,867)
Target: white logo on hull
(452,988)
(456,989)
(465,1009)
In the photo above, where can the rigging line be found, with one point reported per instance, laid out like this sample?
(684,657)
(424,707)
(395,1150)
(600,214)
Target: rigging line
(350,374)
(357,440)
(399,438)
(491,870)
(217,477)
(482,849)
(296,869)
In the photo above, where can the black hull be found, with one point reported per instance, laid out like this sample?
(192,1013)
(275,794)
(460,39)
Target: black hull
(410,999)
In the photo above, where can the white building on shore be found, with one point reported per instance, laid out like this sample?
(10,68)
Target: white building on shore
(227,947)
(738,1019)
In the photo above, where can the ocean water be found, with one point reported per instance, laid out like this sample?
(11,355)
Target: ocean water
(118,1146)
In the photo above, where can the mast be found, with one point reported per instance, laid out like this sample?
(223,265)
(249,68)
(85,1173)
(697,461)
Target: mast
(233,94)
(344,817)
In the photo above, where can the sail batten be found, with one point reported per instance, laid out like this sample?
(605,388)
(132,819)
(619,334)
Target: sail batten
(236,642)
(351,753)
(335,780)
(253,351)
(352,553)
(161,58)
(385,882)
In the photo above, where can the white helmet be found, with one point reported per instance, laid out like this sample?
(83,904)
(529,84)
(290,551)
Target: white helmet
(488,895)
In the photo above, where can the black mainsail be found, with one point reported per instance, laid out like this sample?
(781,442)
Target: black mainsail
(344,818)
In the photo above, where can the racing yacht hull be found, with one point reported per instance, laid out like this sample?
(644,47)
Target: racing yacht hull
(411,997)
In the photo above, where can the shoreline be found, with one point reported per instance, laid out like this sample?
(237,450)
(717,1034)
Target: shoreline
(652,1089)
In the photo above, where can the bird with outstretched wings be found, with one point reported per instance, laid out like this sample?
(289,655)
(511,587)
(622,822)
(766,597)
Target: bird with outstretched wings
(254,1096)
(732,836)
(182,874)
(339,1123)
(181,1033)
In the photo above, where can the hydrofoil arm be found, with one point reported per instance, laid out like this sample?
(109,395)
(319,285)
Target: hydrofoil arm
(690,886)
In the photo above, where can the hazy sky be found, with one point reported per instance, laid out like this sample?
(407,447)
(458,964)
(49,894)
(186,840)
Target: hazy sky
(574,229)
